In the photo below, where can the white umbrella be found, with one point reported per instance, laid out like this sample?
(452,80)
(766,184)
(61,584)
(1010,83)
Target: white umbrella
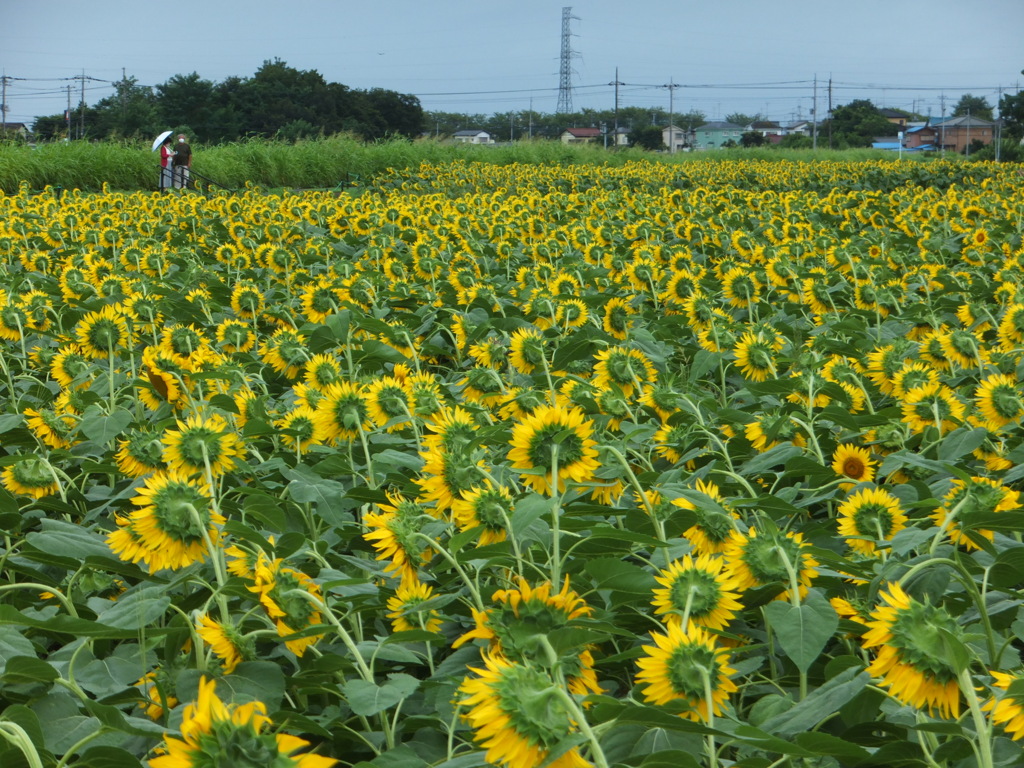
(160,140)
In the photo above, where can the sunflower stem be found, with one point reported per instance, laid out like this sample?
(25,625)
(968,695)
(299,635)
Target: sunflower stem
(68,606)
(470,585)
(556,512)
(15,735)
(74,748)
(981,726)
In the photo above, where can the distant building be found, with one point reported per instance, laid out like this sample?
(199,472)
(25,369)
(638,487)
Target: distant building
(677,139)
(766,128)
(921,136)
(895,117)
(955,134)
(580,135)
(472,136)
(16,129)
(717,134)
(801,128)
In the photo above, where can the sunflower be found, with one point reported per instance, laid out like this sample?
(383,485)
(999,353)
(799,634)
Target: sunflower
(30,476)
(1008,709)
(319,301)
(998,398)
(526,350)
(701,591)
(712,532)
(300,429)
(932,405)
(247,300)
(517,717)
(913,374)
(969,499)
(235,336)
(487,507)
(406,610)
(173,520)
(1010,332)
(628,369)
(226,641)
(139,454)
(394,533)
(100,333)
(853,462)
(685,665)
(868,516)
(671,442)
(156,697)
(445,476)
(277,586)
(70,368)
(321,371)
(483,385)
(53,428)
(344,412)
(755,356)
(553,438)
(389,402)
(911,659)
(201,443)
(184,345)
(286,352)
(518,613)
(218,734)
(773,558)
(741,287)
(618,318)
(453,430)
(490,352)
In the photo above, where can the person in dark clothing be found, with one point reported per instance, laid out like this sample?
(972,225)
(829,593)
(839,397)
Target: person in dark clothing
(182,162)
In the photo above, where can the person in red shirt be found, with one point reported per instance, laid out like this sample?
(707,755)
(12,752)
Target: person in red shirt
(166,167)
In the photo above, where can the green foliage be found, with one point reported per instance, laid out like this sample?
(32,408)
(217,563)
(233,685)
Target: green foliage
(856,125)
(648,137)
(975,106)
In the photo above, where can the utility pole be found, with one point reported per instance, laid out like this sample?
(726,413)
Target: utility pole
(830,111)
(942,125)
(671,115)
(999,125)
(67,112)
(531,118)
(565,68)
(81,108)
(616,83)
(3,102)
(814,114)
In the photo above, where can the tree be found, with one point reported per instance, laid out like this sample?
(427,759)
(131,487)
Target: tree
(975,106)
(190,100)
(1011,112)
(753,139)
(648,137)
(129,113)
(740,118)
(857,124)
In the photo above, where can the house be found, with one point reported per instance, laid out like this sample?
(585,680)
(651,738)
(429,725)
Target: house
(16,129)
(580,135)
(895,117)
(955,134)
(766,128)
(920,136)
(472,136)
(801,127)
(677,139)
(717,134)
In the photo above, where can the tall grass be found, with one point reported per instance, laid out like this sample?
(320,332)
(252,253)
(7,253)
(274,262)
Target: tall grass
(323,163)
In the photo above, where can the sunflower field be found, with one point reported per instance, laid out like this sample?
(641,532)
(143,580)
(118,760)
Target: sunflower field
(711,464)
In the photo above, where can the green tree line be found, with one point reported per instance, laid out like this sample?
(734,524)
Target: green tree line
(278,101)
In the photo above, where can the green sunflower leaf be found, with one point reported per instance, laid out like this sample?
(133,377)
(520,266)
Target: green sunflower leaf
(803,630)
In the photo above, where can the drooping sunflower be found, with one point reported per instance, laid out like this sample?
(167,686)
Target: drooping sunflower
(300,429)
(998,398)
(741,287)
(716,522)
(53,428)
(200,443)
(247,300)
(868,516)
(685,665)
(29,476)
(703,591)
(277,585)
(1007,708)
(853,462)
(909,638)
(406,609)
(157,698)
(516,716)
(322,370)
(393,532)
(553,438)
(771,558)
(966,501)
(672,441)
(215,733)
(913,374)
(172,522)
(236,336)
(70,368)
(487,507)
(286,352)
(139,453)
(230,646)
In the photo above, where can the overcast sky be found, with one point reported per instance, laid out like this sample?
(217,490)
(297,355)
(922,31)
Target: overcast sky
(751,56)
